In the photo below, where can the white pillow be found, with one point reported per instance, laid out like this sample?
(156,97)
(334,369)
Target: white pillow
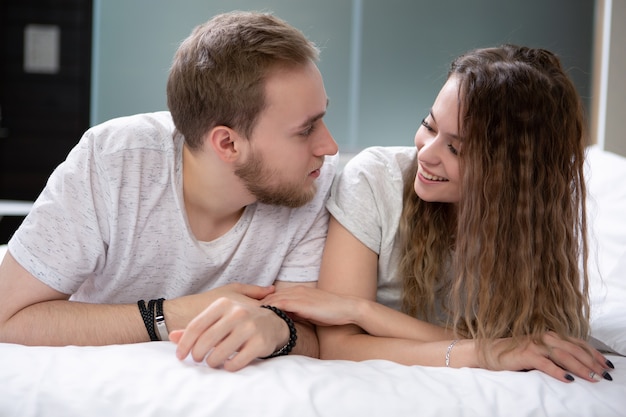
(608,326)
(606,181)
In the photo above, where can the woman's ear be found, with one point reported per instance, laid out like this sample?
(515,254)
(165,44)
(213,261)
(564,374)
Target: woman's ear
(225,142)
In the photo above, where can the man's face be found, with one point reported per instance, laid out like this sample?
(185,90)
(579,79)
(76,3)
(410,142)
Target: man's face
(289,140)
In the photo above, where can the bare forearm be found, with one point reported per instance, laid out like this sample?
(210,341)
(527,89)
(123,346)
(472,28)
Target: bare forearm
(379,320)
(59,323)
(359,347)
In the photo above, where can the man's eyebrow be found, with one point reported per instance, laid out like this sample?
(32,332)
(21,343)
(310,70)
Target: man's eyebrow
(432,116)
(315,118)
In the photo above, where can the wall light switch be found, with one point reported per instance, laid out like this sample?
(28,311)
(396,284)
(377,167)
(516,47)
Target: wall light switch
(42,44)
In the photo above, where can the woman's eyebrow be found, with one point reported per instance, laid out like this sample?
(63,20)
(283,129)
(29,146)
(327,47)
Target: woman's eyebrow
(432,116)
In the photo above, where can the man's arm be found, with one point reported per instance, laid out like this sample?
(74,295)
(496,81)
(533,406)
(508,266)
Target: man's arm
(219,337)
(32,313)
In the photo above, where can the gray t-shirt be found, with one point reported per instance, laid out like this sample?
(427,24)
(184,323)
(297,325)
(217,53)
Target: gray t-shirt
(110,225)
(366,198)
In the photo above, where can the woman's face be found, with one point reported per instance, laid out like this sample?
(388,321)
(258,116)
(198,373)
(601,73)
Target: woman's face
(438,145)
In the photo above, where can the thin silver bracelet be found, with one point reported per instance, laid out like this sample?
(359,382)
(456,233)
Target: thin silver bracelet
(448,352)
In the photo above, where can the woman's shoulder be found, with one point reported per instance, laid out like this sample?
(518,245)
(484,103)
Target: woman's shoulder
(381,159)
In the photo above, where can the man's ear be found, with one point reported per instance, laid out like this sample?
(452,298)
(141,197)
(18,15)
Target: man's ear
(225,142)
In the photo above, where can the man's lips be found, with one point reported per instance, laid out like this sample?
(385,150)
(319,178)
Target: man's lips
(315,173)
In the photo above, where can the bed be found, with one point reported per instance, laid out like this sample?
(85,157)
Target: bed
(146,379)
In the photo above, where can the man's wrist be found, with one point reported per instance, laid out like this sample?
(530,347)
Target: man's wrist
(293,336)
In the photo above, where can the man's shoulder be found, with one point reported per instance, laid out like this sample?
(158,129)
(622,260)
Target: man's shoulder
(144,130)
(137,123)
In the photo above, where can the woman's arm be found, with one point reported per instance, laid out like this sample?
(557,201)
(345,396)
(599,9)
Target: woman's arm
(352,326)
(347,293)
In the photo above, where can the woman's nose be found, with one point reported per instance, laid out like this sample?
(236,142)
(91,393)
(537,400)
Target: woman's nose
(426,149)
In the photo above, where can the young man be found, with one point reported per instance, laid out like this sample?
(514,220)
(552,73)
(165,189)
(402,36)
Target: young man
(210,206)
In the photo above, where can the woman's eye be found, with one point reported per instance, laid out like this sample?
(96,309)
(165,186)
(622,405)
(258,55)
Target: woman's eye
(453,149)
(427,126)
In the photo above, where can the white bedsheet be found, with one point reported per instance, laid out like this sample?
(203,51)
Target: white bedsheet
(147,380)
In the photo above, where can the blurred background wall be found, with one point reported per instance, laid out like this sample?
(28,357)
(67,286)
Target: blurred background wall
(66,65)
(383,61)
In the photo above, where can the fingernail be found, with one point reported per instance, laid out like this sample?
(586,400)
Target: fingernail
(569,377)
(610,364)
(595,376)
(607,376)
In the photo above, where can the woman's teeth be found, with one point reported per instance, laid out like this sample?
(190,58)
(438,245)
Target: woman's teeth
(431,177)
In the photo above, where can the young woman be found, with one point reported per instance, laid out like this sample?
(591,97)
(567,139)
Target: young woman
(469,249)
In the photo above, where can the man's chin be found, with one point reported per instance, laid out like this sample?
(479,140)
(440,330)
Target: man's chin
(293,199)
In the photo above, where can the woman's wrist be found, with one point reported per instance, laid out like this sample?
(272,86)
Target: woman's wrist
(462,353)
(362,309)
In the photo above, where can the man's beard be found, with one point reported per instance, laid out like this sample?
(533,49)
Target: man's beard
(258,178)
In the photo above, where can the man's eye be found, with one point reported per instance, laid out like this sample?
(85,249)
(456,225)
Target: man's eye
(308,131)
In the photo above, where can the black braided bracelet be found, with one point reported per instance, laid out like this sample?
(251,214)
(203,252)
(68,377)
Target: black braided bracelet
(147,314)
(293,336)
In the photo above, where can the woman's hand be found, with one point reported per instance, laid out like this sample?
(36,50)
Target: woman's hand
(557,357)
(319,307)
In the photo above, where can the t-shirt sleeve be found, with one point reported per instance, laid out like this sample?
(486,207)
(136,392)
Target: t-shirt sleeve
(366,193)
(62,240)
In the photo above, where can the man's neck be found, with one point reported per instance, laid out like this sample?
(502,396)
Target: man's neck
(214,197)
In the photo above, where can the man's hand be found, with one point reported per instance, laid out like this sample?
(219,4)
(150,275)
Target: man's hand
(233,331)
(181,310)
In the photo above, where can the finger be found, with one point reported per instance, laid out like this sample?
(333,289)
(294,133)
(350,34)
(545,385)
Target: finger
(196,328)
(281,301)
(550,368)
(576,357)
(175,335)
(602,360)
(253,342)
(221,352)
(257,292)
(205,344)
(595,355)
(243,357)
(236,327)
(245,342)
(294,299)
(221,340)
(241,348)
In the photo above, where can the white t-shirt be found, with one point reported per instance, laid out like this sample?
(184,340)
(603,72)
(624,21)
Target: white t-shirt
(110,225)
(366,198)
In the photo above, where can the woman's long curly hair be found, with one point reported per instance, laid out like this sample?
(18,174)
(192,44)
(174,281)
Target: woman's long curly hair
(515,244)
